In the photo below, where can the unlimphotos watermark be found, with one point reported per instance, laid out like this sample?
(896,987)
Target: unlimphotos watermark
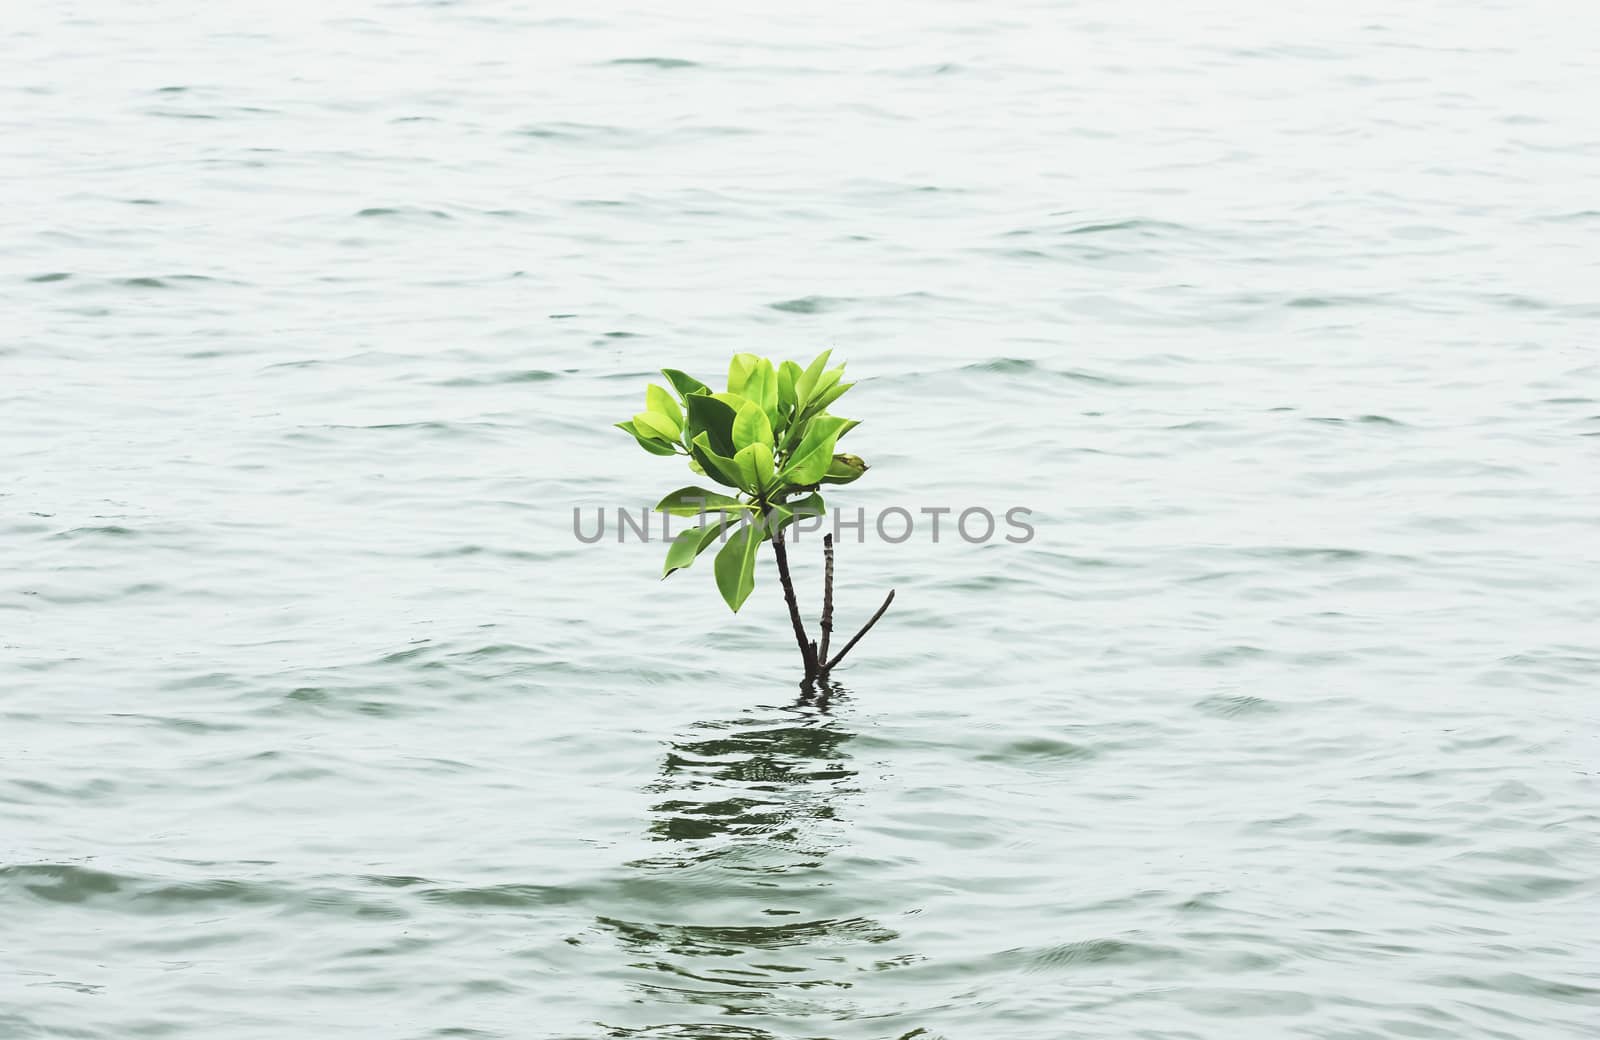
(896,524)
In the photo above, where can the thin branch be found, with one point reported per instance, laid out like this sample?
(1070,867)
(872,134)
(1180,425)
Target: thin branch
(826,668)
(808,653)
(827,595)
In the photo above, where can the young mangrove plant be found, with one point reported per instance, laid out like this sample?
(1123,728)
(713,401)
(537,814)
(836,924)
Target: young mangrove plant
(769,439)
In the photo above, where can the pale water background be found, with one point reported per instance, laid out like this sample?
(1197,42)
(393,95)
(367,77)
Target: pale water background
(316,721)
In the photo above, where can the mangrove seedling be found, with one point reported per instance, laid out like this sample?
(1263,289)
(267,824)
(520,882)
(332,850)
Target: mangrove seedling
(769,439)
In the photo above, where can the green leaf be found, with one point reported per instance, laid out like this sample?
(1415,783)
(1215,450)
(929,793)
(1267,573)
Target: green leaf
(823,399)
(789,374)
(684,384)
(657,399)
(692,501)
(718,467)
(811,505)
(654,424)
(804,386)
(736,567)
(713,418)
(691,543)
(849,424)
(654,447)
(751,426)
(739,370)
(814,454)
(755,467)
(762,387)
(844,468)
(819,390)
(782,516)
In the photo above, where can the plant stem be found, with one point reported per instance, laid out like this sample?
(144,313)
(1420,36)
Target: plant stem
(808,652)
(827,595)
(827,667)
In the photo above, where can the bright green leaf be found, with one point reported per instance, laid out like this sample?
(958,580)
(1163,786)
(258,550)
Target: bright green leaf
(718,467)
(815,452)
(811,505)
(736,566)
(755,467)
(691,543)
(762,387)
(692,501)
(819,390)
(751,426)
(654,447)
(805,385)
(714,418)
(684,384)
(789,374)
(739,371)
(822,400)
(660,401)
(654,424)
(784,515)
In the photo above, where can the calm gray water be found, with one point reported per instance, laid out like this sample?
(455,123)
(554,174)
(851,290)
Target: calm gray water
(316,720)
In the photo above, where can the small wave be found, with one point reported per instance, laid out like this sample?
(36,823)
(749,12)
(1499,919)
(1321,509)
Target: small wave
(1135,224)
(1523,985)
(1038,750)
(1025,366)
(403,212)
(451,429)
(459,551)
(67,883)
(701,939)
(1233,706)
(1370,837)
(571,131)
(1338,300)
(1364,420)
(1307,552)
(656,63)
(104,531)
(527,375)
(504,896)
(1096,952)
(1524,888)
(811,304)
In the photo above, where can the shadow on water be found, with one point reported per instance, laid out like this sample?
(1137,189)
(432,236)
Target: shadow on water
(737,917)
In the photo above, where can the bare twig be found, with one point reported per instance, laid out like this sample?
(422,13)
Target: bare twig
(827,595)
(826,668)
(808,651)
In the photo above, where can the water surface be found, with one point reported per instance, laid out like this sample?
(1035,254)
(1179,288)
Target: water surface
(315,719)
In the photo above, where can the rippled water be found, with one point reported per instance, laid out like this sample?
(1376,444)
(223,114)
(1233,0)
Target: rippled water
(317,721)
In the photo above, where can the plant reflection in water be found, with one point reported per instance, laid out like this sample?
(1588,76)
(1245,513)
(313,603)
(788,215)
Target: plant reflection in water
(745,912)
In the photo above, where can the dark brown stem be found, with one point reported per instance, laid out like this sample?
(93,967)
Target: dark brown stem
(808,652)
(827,595)
(828,667)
